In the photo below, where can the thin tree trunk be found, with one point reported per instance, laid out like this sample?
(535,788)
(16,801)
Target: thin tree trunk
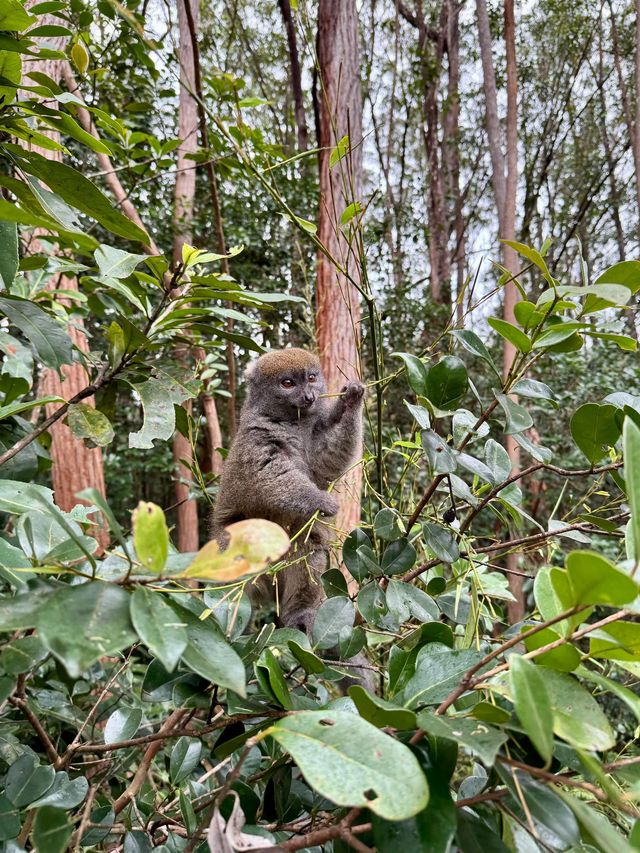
(338,301)
(296,76)
(505,181)
(185,190)
(74,465)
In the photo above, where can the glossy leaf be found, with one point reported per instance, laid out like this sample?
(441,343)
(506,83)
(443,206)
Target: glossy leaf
(594,580)
(333,615)
(184,758)
(511,333)
(122,724)
(27,781)
(594,428)
(532,704)
(631,445)
(65,793)
(447,382)
(416,372)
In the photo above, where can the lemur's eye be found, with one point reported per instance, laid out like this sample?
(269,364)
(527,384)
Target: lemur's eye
(287,383)
(312,377)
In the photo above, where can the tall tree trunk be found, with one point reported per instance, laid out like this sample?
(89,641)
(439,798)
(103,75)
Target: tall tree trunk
(185,190)
(505,181)
(74,466)
(296,76)
(338,301)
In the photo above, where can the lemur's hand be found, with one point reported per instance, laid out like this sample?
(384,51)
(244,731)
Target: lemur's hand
(329,505)
(352,394)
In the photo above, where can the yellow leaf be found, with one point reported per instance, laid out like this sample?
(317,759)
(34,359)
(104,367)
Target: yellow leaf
(253,544)
(80,57)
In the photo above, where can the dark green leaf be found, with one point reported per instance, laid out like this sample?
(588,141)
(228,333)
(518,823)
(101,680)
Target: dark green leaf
(473,344)
(47,336)
(440,456)
(51,830)
(381,713)
(185,757)
(8,252)
(65,793)
(577,717)
(518,418)
(100,624)
(440,542)
(594,428)
(416,372)
(532,704)
(353,554)
(82,194)
(387,525)
(27,780)
(447,382)
(122,724)
(398,557)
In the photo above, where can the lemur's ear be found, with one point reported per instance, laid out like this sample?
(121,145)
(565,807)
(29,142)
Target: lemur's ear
(251,369)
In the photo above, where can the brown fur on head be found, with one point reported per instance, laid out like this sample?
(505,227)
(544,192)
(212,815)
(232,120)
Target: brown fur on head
(280,360)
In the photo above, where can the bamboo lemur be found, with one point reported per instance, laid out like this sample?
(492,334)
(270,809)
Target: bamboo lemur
(291,444)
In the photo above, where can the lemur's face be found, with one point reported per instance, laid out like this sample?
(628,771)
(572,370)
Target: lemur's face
(298,389)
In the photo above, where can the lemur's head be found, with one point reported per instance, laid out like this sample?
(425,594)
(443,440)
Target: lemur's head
(286,383)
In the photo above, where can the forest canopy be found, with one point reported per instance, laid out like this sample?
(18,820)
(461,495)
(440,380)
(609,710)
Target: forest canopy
(442,200)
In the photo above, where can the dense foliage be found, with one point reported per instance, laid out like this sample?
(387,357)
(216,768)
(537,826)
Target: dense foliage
(140,705)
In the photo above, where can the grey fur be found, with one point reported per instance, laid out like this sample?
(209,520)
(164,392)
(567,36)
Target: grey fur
(291,444)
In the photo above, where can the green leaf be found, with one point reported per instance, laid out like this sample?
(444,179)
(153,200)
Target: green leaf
(150,536)
(511,333)
(333,615)
(618,641)
(158,627)
(595,580)
(88,423)
(421,415)
(577,717)
(334,583)
(353,554)
(20,613)
(517,417)
(440,455)
(114,263)
(100,625)
(82,194)
(631,700)
(46,335)
(209,654)
(51,830)
(350,211)
(594,428)
(473,344)
(14,17)
(564,658)
(626,273)
(498,461)
(27,780)
(398,557)
(340,150)
(271,679)
(352,763)
(534,389)
(532,704)
(185,757)
(310,663)
(8,252)
(440,542)
(122,724)
(388,525)
(478,737)
(597,828)
(381,713)
(65,793)
(631,446)
(447,382)
(533,256)
(9,820)
(158,396)
(437,674)
(416,372)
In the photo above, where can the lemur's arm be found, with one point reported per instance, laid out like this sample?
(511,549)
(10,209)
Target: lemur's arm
(337,439)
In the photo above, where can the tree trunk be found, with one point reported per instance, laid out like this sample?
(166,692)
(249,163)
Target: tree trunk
(185,190)
(296,76)
(74,466)
(504,179)
(338,301)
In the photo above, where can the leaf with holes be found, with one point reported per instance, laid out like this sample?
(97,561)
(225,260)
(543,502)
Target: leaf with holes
(353,763)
